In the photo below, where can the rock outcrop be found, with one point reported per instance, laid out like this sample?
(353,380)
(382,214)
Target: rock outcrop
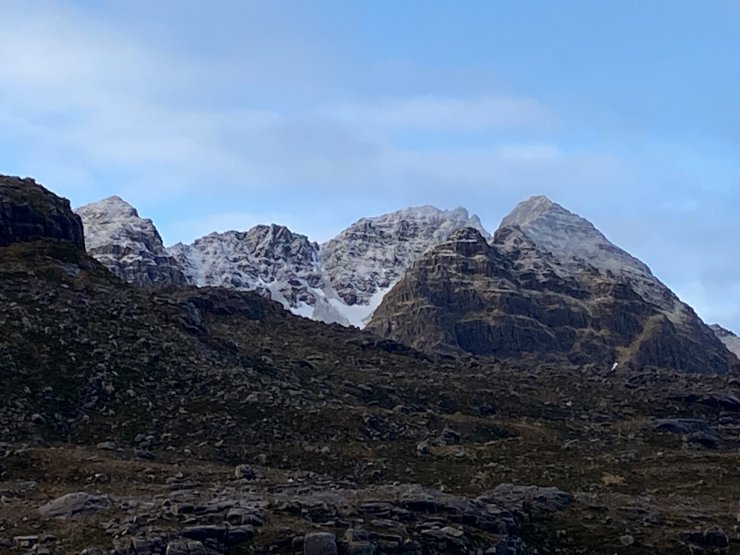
(271,260)
(28,212)
(731,341)
(548,285)
(128,245)
(365,260)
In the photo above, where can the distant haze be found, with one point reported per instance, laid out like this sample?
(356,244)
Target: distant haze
(216,116)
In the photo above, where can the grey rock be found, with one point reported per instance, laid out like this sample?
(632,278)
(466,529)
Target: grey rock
(450,437)
(185,547)
(697,432)
(26,541)
(245,472)
(78,505)
(320,543)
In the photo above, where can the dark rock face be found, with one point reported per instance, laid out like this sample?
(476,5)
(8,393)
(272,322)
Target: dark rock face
(28,212)
(512,298)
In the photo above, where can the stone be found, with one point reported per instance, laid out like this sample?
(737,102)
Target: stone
(626,540)
(422,449)
(245,472)
(450,437)
(205,532)
(26,542)
(37,419)
(77,505)
(185,547)
(320,543)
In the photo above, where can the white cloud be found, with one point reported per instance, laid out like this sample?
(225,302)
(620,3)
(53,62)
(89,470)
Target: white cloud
(450,114)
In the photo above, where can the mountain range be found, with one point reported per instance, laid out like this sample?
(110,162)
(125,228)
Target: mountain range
(547,282)
(504,397)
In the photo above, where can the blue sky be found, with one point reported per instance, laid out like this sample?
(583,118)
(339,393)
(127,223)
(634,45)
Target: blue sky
(225,114)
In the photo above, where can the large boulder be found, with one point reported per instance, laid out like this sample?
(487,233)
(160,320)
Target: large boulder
(29,212)
(77,505)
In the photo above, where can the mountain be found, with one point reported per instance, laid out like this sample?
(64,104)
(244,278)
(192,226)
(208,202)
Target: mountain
(212,421)
(365,260)
(548,285)
(129,246)
(29,212)
(341,282)
(271,260)
(731,341)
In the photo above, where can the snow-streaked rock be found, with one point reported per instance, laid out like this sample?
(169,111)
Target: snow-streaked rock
(731,341)
(579,247)
(365,260)
(547,285)
(128,245)
(271,260)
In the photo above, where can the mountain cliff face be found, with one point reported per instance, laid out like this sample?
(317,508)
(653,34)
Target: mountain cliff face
(271,260)
(28,212)
(129,246)
(548,285)
(365,260)
(731,341)
(341,282)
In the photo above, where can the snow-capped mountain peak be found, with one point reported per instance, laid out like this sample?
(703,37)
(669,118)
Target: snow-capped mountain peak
(569,236)
(130,246)
(365,260)
(579,247)
(269,259)
(731,341)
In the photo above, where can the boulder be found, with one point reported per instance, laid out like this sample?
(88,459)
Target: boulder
(77,505)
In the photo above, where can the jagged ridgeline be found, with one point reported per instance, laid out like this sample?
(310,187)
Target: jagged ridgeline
(547,284)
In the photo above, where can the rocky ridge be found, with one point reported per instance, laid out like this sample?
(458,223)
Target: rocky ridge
(270,260)
(29,212)
(365,260)
(128,245)
(731,341)
(548,284)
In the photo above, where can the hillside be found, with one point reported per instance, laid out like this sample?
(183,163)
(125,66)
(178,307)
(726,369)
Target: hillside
(209,420)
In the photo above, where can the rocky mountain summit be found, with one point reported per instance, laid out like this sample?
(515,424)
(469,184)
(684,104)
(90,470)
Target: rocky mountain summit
(29,212)
(365,260)
(184,420)
(731,341)
(548,284)
(128,245)
(270,260)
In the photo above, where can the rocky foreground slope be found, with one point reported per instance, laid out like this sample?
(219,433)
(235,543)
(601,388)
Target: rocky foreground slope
(213,421)
(549,285)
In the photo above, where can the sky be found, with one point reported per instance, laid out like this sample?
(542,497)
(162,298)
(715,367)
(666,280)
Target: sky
(219,115)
